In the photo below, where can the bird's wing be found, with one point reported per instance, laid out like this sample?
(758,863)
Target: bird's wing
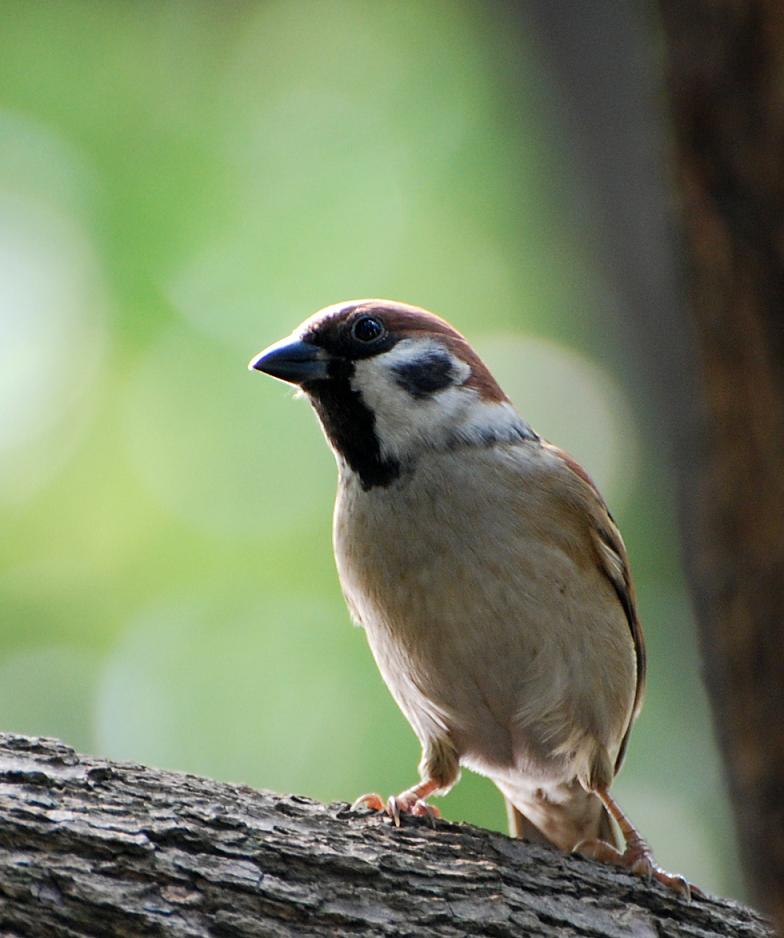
(613,561)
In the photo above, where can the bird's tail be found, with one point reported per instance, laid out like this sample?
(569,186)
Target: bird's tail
(588,821)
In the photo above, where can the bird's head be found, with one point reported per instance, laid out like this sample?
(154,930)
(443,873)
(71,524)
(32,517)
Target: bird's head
(390,382)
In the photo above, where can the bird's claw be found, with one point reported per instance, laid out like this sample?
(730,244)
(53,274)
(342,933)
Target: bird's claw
(399,805)
(370,800)
(639,860)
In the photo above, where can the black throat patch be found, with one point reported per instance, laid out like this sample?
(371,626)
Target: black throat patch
(350,427)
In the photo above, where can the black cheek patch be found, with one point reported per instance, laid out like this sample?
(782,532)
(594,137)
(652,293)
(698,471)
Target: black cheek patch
(425,375)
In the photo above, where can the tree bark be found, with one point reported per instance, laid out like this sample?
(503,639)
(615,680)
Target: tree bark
(98,848)
(726,84)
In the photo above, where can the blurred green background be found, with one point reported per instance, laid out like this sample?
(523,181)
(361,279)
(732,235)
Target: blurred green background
(181,184)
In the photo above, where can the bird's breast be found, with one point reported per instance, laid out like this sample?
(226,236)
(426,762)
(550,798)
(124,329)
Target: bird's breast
(484,612)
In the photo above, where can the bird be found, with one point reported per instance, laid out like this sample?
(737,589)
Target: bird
(487,572)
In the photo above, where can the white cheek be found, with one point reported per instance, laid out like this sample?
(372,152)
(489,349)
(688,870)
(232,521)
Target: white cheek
(405,423)
(497,419)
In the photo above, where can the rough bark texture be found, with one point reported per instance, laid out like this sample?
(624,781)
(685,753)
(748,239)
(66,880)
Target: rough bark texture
(726,82)
(90,847)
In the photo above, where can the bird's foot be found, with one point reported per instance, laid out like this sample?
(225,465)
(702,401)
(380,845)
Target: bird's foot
(408,802)
(638,859)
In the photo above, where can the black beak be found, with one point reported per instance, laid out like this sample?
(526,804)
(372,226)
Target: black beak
(292,360)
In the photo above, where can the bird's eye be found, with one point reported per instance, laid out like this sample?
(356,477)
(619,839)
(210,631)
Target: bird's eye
(367,329)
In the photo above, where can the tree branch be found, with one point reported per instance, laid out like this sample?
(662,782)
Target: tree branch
(98,848)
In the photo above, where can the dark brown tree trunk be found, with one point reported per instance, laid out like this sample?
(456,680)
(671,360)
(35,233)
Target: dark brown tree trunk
(726,91)
(96,848)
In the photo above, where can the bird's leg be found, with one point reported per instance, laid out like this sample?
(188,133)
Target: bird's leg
(411,801)
(638,856)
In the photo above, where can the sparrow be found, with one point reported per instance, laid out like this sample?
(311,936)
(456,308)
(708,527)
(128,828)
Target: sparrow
(487,573)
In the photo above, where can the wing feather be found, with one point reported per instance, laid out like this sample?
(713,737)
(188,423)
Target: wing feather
(614,563)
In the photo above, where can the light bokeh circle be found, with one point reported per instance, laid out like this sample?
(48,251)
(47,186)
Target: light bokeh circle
(52,307)
(571,401)
(224,449)
(233,693)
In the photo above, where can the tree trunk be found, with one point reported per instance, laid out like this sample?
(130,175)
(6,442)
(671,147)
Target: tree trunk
(726,83)
(99,848)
